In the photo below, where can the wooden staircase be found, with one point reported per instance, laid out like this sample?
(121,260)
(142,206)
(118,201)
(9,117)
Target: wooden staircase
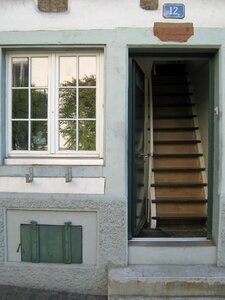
(179,186)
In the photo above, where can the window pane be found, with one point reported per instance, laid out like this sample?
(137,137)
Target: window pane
(87,103)
(87,135)
(67,135)
(39,71)
(20,135)
(39,104)
(67,71)
(67,103)
(87,71)
(38,135)
(20,104)
(20,72)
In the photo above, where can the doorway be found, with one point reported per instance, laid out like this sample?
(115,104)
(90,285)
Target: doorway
(169,145)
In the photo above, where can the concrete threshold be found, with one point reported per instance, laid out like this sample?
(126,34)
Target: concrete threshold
(155,281)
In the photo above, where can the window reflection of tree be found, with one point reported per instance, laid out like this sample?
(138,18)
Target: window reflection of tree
(68,111)
(67,116)
(38,120)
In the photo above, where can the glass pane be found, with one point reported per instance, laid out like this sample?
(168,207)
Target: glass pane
(20,135)
(39,71)
(39,104)
(87,135)
(67,103)
(87,107)
(20,72)
(87,71)
(67,71)
(38,135)
(67,135)
(20,104)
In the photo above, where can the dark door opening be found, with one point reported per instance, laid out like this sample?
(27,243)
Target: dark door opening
(168,142)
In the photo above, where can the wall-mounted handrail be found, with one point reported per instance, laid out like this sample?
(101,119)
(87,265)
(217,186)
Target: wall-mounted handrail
(151,190)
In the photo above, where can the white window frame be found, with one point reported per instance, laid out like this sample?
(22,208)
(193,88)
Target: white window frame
(53,156)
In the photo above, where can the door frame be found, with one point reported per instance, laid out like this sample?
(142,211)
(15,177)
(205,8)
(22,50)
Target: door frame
(213,137)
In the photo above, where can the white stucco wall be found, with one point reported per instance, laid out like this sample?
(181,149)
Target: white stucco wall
(114,24)
(100,14)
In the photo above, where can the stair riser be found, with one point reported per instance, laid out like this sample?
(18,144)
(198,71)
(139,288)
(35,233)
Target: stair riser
(164,100)
(181,135)
(179,149)
(177,123)
(177,192)
(176,162)
(178,177)
(166,111)
(181,209)
(170,89)
(161,80)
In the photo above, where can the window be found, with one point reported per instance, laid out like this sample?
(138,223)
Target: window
(55,105)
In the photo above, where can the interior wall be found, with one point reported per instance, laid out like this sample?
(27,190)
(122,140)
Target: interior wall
(199,73)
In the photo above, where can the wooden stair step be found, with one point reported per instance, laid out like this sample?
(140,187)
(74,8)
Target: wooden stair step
(180,191)
(178,184)
(171,94)
(175,123)
(160,142)
(170,82)
(175,117)
(172,110)
(177,155)
(171,99)
(170,89)
(175,148)
(180,217)
(173,105)
(165,79)
(177,169)
(176,161)
(178,177)
(175,128)
(166,200)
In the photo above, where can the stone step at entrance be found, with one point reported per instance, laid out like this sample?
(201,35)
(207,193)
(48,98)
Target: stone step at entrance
(166,282)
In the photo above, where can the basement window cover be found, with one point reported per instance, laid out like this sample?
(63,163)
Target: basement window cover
(51,243)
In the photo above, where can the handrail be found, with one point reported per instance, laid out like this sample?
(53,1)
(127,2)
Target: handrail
(151,190)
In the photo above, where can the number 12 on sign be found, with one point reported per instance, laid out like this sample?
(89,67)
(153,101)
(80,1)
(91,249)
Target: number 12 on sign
(173,11)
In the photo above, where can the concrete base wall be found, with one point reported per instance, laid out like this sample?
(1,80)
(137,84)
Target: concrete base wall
(11,293)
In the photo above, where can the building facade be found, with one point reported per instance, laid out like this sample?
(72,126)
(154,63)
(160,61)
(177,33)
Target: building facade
(92,157)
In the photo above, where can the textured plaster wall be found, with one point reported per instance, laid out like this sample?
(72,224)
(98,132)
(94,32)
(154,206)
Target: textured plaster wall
(112,206)
(99,14)
(86,279)
(2,236)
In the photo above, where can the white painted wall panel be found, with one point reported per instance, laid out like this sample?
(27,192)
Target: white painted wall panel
(53,185)
(88,220)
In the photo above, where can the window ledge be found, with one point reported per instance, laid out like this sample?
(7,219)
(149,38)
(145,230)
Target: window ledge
(55,161)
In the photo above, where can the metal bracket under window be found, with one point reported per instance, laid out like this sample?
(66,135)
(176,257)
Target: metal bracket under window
(29,176)
(68,176)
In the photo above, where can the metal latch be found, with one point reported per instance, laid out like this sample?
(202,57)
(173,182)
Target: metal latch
(216,111)
(144,155)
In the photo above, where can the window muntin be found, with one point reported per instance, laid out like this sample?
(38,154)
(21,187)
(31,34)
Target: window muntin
(55,105)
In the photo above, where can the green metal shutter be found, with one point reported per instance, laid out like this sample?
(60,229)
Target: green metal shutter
(51,243)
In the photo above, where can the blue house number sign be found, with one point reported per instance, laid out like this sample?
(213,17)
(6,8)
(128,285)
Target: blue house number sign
(173,11)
